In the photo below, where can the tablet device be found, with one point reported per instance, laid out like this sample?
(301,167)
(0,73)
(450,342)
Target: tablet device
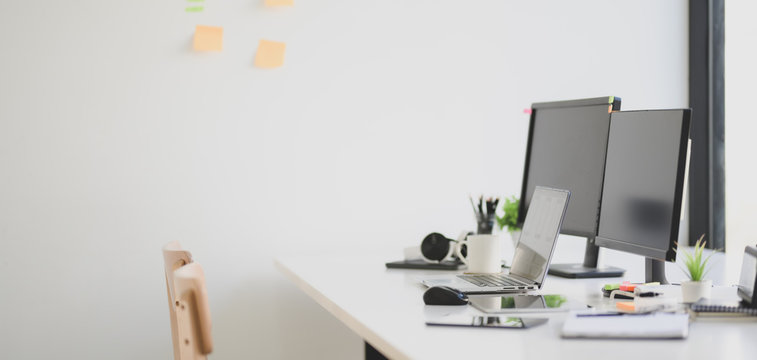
(522,303)
(485,321)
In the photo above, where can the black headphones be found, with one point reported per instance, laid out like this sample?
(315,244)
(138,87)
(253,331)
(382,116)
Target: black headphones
(437,248)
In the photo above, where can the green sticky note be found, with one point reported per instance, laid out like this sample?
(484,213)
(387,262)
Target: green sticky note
(610,287)
(194,9)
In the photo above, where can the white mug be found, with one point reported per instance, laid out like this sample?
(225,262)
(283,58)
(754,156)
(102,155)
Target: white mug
(484,253)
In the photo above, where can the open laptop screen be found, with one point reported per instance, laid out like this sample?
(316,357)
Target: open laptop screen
(539,234)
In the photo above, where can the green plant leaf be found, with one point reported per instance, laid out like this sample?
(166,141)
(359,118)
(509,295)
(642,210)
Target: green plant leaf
(695,266)
(510,217)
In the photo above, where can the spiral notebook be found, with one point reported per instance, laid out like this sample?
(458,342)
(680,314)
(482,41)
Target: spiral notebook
(709,307)
(586,324)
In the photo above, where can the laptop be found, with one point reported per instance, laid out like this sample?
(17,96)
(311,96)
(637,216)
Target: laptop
(532,254)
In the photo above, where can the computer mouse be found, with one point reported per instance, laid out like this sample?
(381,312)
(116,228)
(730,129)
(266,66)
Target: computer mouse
(444,295)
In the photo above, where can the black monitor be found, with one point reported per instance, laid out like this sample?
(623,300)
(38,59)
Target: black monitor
(647,157)
(567,143)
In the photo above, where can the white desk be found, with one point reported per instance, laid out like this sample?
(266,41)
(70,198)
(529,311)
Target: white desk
(385,307)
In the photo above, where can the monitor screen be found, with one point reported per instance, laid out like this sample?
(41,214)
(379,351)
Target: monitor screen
(566,150)
(644,177)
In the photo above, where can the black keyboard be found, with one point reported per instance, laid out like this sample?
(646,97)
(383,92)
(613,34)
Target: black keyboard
(492,280)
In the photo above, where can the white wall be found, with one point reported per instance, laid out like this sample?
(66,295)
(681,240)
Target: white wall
(740,130)
(116,138)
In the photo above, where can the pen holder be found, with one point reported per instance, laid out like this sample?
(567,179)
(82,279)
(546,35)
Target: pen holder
(485,227)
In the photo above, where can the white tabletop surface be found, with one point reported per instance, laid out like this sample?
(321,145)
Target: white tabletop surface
(385,307)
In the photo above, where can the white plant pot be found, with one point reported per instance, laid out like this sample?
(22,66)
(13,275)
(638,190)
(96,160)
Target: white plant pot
(695,290)
(515,236)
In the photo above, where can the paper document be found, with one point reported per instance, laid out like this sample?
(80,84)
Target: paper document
(652,326)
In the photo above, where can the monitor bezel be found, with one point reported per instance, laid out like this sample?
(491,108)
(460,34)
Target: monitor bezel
(612,101)
(751,299)
(668,254)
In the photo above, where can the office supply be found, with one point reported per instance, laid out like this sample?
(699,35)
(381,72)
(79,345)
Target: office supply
(194,8)
(485,214)
(717,307)
(625,306)
(620,294)
(487,321)
(208,38)
(444,295)
(748,277)
(613,290)
(522,303)
(627,290)
(273,3)
(270,54)
(626,286)
(648,304)
(651,326)
(532,255)
(642,195)
(420,264)
(476,214)
(603,314)
(567,144)
(650,289)
(484,253)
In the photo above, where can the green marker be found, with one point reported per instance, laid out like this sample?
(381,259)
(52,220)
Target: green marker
(194,9)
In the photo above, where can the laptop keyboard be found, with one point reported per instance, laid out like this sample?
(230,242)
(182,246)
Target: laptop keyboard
(486,280)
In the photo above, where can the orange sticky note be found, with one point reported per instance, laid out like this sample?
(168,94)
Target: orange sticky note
(208,38)
(270,54)
(627,306)
(279,2)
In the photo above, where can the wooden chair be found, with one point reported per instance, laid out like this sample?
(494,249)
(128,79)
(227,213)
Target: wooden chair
(192,313)
(174,257)
(187,304)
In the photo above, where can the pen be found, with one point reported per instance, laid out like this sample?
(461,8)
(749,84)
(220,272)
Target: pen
(480,206)
(475,213)
(609,314)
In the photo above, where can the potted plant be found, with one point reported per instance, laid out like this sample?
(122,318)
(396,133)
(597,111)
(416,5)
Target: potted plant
(509,218)
(695,266)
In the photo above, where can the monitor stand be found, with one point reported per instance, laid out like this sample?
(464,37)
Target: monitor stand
(589,268)
(654,271)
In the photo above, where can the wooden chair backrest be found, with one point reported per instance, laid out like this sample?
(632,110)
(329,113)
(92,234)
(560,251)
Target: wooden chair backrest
(174,257)
(192,312)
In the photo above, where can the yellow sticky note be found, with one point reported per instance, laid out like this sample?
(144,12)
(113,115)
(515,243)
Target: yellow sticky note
(279,2)
(270,54)
(208,38)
